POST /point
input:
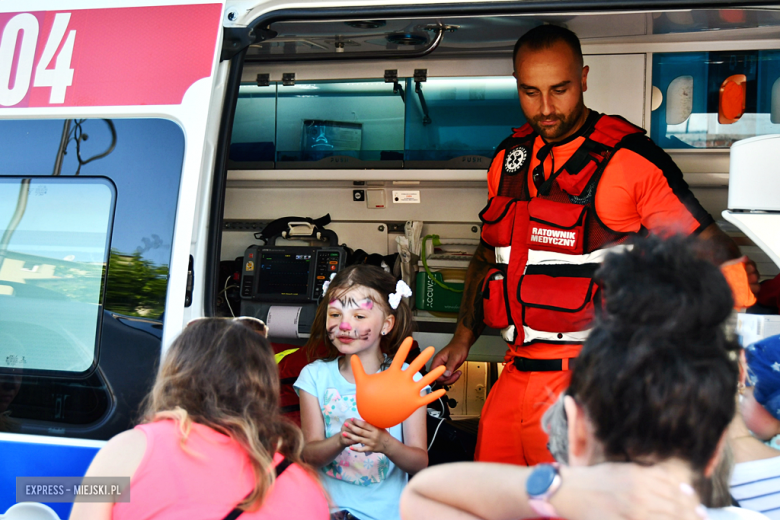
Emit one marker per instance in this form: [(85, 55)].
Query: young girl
[(365, 467)]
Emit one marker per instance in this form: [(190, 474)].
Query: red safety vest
[(549, 246)]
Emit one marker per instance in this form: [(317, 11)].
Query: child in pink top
[(211, 439)]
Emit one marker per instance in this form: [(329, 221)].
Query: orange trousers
[(510, 429)]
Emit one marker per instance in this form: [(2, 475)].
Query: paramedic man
[(641, 190)]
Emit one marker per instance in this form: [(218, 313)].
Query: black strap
[(279, 469), (540, 365)]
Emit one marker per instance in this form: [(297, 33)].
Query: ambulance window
[(53, 251), (85, 244)]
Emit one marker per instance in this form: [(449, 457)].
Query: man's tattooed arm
[(471, 312)]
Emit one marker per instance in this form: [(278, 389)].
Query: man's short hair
[(544, 37)]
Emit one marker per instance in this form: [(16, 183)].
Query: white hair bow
[(401, 290), (326, 283)]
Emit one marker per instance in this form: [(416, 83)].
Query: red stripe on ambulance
[(106, 57)]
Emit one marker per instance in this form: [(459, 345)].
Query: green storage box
[(430, 296)]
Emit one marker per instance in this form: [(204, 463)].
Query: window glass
[(53, 252), (339, 125), (131, 167), (253, 141), (727, 96), (466, 119)]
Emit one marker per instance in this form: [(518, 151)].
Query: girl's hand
[(372, 438), (344, 435)]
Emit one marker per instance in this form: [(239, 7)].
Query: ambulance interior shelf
[(282, 285)]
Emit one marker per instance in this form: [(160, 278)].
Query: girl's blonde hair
[(380, 282), (222, 374)]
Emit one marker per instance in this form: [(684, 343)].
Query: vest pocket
[(498, 219), (494, 301), (558, 298), (556, 226)]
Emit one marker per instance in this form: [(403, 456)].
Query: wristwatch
[(541, 485)]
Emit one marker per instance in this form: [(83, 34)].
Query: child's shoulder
[(320, 365)]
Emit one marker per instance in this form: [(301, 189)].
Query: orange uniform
[(636, 188)]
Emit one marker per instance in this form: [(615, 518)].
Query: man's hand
[(752, 272), (452, 357), (470, 324), (725, 250)]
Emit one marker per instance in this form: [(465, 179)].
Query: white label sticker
[(406, 197)]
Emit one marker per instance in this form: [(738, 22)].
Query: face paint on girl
[(354, 321)]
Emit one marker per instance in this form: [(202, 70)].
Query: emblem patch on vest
[(515, 159)]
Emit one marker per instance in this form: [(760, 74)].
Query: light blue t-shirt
[(368, 485)]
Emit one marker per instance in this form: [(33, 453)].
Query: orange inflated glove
[(391, 396), (736, 275)]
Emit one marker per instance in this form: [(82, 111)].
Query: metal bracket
[(420, 76), (391, 76), (263, 80), (288, 79), (236, 39)]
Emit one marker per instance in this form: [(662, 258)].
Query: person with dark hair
[(364, 468), (212, 443), (656, 378), (564, 189), (654, 385)]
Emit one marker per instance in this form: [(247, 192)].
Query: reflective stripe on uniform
[(503, 254), (536, 257), (554, 337)]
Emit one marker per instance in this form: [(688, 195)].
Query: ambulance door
[(104, 139)]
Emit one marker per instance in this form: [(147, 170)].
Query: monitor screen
[(284, 274)]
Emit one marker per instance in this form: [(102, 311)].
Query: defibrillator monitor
[(288, 274)]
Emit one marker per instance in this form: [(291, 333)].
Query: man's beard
[(564, 126)]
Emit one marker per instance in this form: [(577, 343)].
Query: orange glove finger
[(426, 399), (430, 377), (358, 370), (420, 360), (400, 356)]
